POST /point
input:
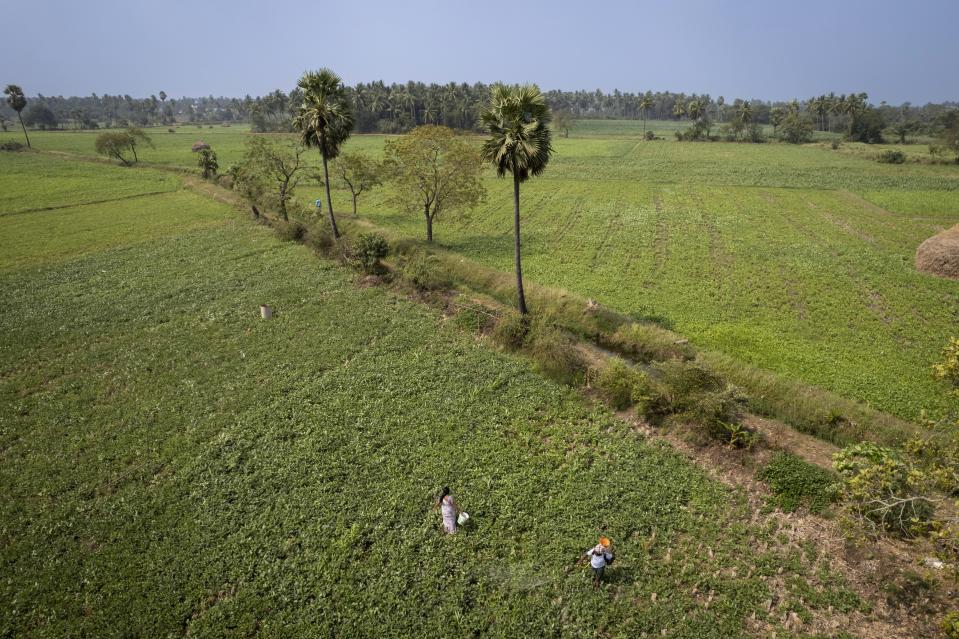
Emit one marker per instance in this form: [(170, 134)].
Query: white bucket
[(265, 311), (462, 519)]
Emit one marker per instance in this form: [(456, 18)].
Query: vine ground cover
[(174, 465)]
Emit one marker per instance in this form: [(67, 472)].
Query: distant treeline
[(382, 108)]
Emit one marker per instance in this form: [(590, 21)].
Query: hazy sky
[(894, 50)]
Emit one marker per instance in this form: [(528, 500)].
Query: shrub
[(554, 352), (950, 625), (289, 231), (511, 330), (649, 135), (621, 384), (881, 489), (471, 319), (369, 249), (320, 239), (835, 145), (891, 156), (11, 145), (698, 396), (795, 482), (424, 271)]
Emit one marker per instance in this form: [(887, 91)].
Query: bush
[(554, 352), (369, 249), (511, 330), (950, 625), (621, 384), (891, 156), (698, 396), (320, 239), (289, 231), (881, 489), (835, 145), (795, 482), (424, 271), (649, 135), (11, 145)]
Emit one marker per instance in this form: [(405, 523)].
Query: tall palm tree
[(17, 101), (679, 109), (517, 120), (694, 109), (645, 105), (325, 121)]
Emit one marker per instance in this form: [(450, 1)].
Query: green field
[(173, 465), (794, 259)]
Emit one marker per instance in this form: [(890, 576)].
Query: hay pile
[(939, 255)]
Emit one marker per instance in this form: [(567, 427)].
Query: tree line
[(393, 108)]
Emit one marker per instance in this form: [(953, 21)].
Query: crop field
[(174, 465), (794, 259)]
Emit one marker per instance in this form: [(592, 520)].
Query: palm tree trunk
[(520, 296), (329, 201), (24, 129)]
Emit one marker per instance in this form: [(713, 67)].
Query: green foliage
[(271, 171), (950, 625), (866, 126), (649, 135), (290, 231), (206, 160), (622, 385), (520, 141), (359, 172), (115, 145), (882, 490), (697, 396), (432, 171), (648, 343), (555, 352), (424, 271), (511, 330), (795, 482), (369, 249), (325, 118), (891, 156), (795, 128), (11, 145)]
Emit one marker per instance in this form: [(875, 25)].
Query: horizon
[(744, 49)]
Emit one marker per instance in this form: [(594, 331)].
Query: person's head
[(444, 492)]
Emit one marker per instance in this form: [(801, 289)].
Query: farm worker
[(599, 557), (449, 510)]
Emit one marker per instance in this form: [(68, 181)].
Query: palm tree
[(679, 109), (695, 109), (517, 119), (325, 121), (17, 102), (645, 104)]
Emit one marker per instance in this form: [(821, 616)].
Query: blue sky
[(894, 50)]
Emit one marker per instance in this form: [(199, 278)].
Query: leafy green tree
[(949, 138), (795, 128), (866, 124), (359, 172), (114, 144), (281, 166), (433, 170), (250, 184), (206, 160), (325, 121), (17, 101), (520, 143)]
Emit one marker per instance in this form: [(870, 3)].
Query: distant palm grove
[(395, 108)]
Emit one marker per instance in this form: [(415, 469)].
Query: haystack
[(939, 255)]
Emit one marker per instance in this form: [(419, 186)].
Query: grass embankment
[(796, 260), (174, 465)]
